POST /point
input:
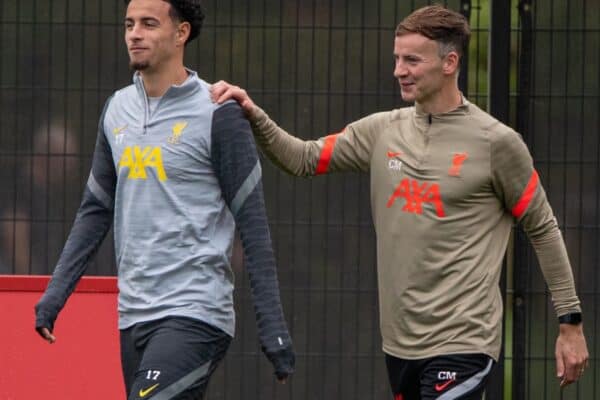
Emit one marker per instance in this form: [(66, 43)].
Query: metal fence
[(558, 113), (314, 66)]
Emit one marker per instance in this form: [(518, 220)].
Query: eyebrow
[(408, 56), (143, 19)]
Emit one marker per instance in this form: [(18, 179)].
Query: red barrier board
[(83, 363)]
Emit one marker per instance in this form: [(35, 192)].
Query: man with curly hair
[(177, 174), (447, 182)]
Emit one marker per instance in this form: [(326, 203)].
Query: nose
[(400, 69), (133, 33)]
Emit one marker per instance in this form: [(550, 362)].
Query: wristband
[(571, 318)]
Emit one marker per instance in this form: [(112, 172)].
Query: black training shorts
[(454, 376), (170, 358)]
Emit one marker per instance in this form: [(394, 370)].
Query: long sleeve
[(237, 167), (92, 223), (348, 150), (518, 185)]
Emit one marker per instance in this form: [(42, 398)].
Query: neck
[(443, 102), (158, 81)]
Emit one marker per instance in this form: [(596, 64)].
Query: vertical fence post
[(499, 60), (521, 271), (498, 104), (463, 77)]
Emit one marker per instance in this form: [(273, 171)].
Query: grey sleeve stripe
[(467, 385), (96, 189), (246, 189), (179, 386)]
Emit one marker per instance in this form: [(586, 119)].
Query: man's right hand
[(284, 362), (223, 91), (44, 320), (46, 334)]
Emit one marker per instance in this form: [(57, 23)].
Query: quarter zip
[(139, 85), (422, 127), (188, 87), (146, 112), (426, 139)]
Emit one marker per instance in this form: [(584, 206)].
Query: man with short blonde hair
[(447, 182)]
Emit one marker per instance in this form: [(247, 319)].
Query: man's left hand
[(571, 353)]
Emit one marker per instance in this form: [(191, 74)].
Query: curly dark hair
[(188, 11)]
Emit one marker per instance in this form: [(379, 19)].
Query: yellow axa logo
[(146, 392), (138, 159), (177, 131)]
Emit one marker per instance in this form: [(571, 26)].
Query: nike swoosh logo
[(441, 386), (392, 154), (119, 129), (146, 392)]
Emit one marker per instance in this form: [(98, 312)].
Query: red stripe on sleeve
[(326, 153), (527, 196)]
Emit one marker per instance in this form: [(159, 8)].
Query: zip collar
[(424, 119), (189, 86)]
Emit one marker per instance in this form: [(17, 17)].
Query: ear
[(183, 33), (451, 63)]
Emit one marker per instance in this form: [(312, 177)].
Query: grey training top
[(177, 182)]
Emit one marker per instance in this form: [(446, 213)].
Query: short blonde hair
[(450, 29)]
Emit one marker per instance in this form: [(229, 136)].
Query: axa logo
[(457, 163), (416, 193), (177, 131), (137, 160)]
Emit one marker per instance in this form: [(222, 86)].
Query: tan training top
[(444, 191)]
